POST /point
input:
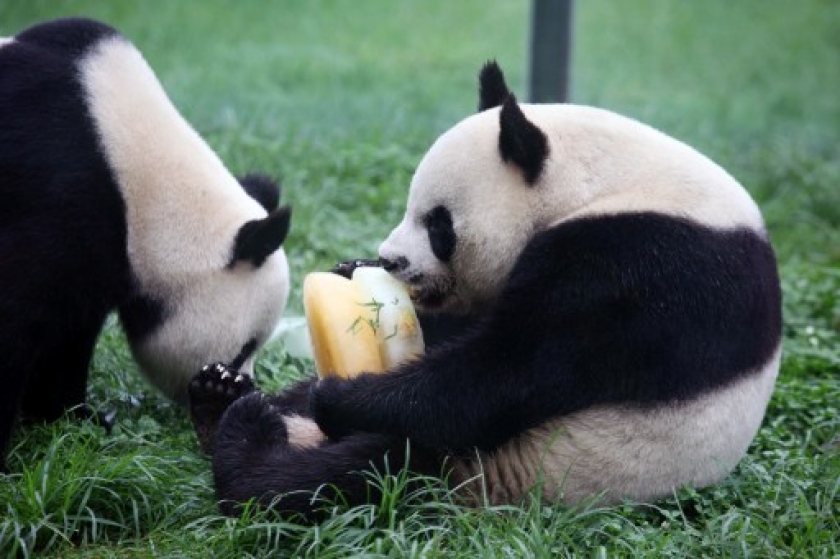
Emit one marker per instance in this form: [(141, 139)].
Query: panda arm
[(454, 399)]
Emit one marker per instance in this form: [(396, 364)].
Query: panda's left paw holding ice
[(347, 267), (211, 391)]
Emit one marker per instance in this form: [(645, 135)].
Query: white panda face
[(226, 316), (469, 215), (475, 202)]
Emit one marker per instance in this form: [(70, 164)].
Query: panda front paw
[(211, 391)]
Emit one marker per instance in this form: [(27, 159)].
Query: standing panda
[(110, 200), (626, 330)]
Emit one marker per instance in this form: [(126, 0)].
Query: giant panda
[(625, 330), (111, 201)]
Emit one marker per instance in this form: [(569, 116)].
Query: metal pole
[(551, 44)]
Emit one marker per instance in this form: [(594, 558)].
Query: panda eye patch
[(438, 223)]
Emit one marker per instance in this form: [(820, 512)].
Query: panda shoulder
[(68, 36)]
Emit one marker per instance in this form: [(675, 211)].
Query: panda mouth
[(429, 295)]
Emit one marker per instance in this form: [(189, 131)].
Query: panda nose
[(397, 265)]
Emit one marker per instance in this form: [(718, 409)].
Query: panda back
[(660, 338), (160, 161), (604, 163)]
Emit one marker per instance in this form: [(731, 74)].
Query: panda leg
[(47, 378), (215, 387), (14, 383), (260, 456), (58, 380)]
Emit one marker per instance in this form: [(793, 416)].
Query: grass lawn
[(341, 99)]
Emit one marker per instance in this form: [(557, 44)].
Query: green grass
[(341, 99)]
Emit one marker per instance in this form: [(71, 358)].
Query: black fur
[(394, 266), (521, 142), (62, 230), (637, 309), (263, 189), (444, 328), (492, 89), (259, 239), (247, 350), (68, 37), (141, 315), (442, 238)]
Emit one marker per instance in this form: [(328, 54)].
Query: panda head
[(224, 312), (473, 204)]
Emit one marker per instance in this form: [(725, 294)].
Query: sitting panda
[(111, 201), (625, 338)]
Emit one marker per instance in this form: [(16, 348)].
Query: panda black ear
[(521, 142), (258, 239), (492, 89), (263, 189)]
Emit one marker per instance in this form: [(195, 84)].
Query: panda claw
[(211, 391)]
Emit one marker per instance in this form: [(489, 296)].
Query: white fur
[(183, 211), (620, 452), (303, 432), (5, 41), (599, 163)]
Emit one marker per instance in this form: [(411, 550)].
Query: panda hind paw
[(211, 391), (255, 420)]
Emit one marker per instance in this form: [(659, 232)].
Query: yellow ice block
[(398, 329), (366, 324), (341, 340)]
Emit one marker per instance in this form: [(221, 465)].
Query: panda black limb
[(254, 458), (112, 202), (624, 339)]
